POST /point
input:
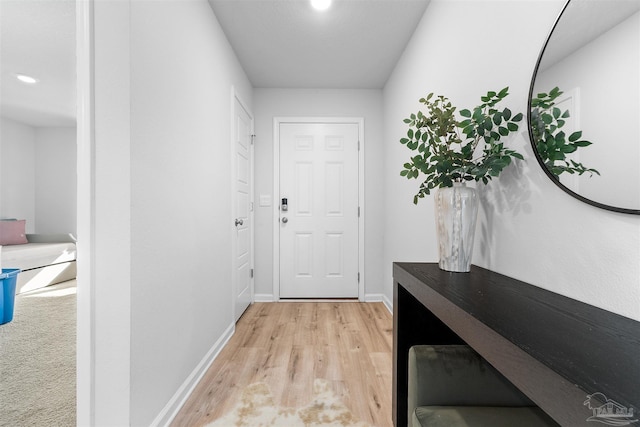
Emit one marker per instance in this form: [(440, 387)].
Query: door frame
[(235, 96), (277, 121)]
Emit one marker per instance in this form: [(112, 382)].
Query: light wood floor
[(289, 344)]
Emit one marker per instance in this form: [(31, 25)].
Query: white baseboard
[(379, 298), (169, 412), (387, 303), (263, 298), (367, 298), (373, 297)]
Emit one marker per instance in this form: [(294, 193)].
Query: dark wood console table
[(555, 349)]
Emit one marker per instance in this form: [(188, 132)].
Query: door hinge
[(251, 273), (253, 137), (358, 211), (250, 206), (358, 277)]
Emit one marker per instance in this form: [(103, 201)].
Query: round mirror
[(584, 103)]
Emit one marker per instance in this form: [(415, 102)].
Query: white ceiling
[(584, 21), (280, 43), (37, 38), (286, 43)]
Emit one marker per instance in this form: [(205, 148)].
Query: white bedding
[(35, 255)]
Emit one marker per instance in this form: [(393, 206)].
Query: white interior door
[(242, 181), (319, 228)]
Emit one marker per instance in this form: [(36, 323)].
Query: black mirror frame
[(551, 176)]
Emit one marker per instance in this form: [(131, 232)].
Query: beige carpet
[(37, 359), (256, 408)]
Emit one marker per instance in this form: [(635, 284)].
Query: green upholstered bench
[(452, 385)]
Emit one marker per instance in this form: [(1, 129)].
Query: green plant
[(552, 144), (446, 146)]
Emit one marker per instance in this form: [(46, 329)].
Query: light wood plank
[(287, 345)]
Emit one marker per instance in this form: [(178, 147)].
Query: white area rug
[(38, 359), (256, 408)]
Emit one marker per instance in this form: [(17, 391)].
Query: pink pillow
[(12, 232)]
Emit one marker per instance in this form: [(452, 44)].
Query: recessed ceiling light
[(321, 4), (26, 79)]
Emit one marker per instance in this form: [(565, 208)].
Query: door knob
[(285, 220), (239, 222)]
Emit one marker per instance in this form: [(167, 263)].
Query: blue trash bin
[(7, 293)]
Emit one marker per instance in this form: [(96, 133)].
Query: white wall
[(527, 228), (55, 180), (182, 73), (270, 103), (38, 176), (103, 386), (159, 220), (17, 172)]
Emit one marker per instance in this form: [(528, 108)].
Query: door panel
[(319, 240), (243, 130)]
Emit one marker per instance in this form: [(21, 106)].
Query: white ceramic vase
[(456, 211)]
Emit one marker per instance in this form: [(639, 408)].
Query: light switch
[(265, 200)]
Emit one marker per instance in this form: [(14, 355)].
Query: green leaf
[(517, 117), (469, 131), (582, 143), (504, 92), (556, 155), (512, 127), (503, 130), (575, 136), (555, 92), (465, 113)]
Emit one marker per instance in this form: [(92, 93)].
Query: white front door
[(319, 228), (242, 182)]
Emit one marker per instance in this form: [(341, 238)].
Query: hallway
[(289, 345)]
